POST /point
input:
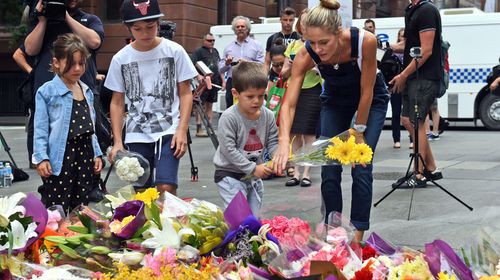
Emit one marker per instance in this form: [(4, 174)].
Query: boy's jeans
[(252, 189), (335, 121)]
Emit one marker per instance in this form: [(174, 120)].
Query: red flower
[(368, 252), (364, 273)]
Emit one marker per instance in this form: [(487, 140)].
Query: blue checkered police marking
[(469, 75)]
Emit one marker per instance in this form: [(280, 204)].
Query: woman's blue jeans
[(334, 120)]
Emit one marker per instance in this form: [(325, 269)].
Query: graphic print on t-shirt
[(253, 147), (149, 107)]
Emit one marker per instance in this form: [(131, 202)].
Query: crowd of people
[(332, 85)]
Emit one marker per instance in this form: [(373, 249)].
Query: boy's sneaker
[(413, 181), (432, 137)]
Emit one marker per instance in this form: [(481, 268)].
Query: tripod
[(7, 149), (415, 156)]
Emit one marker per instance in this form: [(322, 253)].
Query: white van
[(475, 49)]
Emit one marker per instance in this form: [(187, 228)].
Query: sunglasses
[(277, 64), (210, 40)]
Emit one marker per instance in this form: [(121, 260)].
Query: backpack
[(445, 66), (390, 65)]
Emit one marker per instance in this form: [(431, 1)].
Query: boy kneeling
[(245, 130)]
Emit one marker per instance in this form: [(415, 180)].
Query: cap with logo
[(135, 10)]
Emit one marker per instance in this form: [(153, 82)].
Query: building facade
[(193, 19)]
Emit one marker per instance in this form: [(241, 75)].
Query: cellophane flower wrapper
[(21, 270), (482, 253), (207, 221), (175, 207), (342, 149), (131, 167), (441, 258)]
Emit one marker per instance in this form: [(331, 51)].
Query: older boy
[(154, 74), (245, 130)]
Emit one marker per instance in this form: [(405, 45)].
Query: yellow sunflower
[(362, 153)]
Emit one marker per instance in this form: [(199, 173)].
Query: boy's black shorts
[(425, 92)]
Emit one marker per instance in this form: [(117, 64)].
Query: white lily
[(265, 244), (20, 236), (9, 205), (167, 237), (115, 201), (127, 257)]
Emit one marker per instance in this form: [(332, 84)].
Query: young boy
[(245, 130), (154, 74)]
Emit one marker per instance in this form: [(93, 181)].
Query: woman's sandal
[(292, 182), (290, 172), (306, 182)]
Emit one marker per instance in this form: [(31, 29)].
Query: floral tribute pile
[(145, 236)]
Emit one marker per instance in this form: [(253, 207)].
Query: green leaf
[(141, 230), (11, 241), (155, 215)]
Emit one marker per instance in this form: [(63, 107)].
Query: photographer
[(53, 19), (423, 36)]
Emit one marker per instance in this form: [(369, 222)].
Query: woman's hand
[(495, 83), (97, 165), (360, 139), (44, 169), (280, 158)]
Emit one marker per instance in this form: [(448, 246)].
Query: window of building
[(111, 10)]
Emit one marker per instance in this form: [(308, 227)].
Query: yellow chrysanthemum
[(148, 196), (361, 153), (446, 276)]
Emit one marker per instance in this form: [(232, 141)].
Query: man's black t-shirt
[(421, 17), (288, 39), (211, 58), (54, 29)]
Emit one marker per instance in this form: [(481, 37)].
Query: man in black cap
[(45, 30), (154, 74)]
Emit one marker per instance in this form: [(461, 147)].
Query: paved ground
[(470, 161)]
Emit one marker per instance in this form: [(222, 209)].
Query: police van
[(474, 51)]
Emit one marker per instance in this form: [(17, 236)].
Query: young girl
[(66, 150)]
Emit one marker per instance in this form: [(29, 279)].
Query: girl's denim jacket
[(54, 102)]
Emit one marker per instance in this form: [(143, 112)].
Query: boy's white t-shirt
[(149, 80)]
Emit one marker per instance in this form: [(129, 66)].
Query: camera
[(167, 29), (53, 10), (416, 52)]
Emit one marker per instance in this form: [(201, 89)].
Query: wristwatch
[(360, 128)]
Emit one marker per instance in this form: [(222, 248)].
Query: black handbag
[(19, 174)]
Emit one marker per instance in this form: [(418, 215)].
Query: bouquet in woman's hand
[(131, 167), (345, 148)]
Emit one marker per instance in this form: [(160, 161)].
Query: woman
[(396, 103), (347, 62), (303, 129)]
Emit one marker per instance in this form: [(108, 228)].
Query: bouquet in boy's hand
[(131, 167), (346, 148)]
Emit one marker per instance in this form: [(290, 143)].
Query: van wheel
[(489, 111)]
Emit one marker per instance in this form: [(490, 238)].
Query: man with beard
[(45, 30), (243, 48)]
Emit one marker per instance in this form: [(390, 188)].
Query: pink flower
[(289, 232), (54, 217), (166, 257)]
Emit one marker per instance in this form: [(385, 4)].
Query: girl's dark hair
[(278, 48), (64, 47)]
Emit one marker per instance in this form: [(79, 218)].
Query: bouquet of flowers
[(22, 219), (131, 167), (482, 255), (346, 148)]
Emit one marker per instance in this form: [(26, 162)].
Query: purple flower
[(135, 208)]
